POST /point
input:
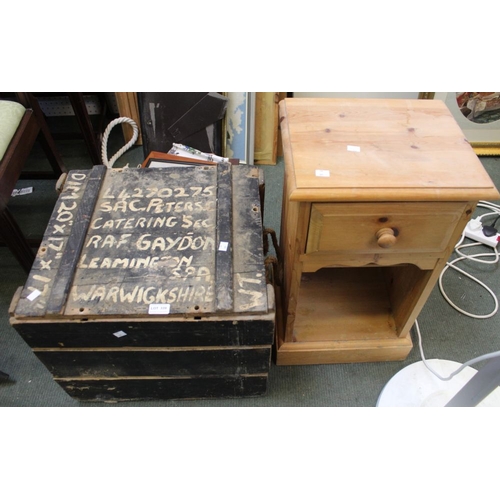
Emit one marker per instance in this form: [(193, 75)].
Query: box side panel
[(165, 388), (98, 363), (233, 332)]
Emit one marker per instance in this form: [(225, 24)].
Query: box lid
[(153, 242)]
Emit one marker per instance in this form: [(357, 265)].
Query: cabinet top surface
[(371, 149)]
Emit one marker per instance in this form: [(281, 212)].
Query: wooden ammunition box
[(150, 284)]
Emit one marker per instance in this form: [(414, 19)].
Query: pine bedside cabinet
[(376, 194)]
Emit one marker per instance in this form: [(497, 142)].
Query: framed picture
[(478, 114), (239, 127)]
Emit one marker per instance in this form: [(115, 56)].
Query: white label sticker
[(34, 294), (159, 309), (354, 149), (223, 246), (19, 192), (119, 334), (322, 173)]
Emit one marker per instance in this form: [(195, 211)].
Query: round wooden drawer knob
[(386, 237)]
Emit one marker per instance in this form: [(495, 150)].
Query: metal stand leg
[(485, 381)]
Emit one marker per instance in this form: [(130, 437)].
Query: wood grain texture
[(352, 228), (156, 362), (224, 244), (71, 255), (357, 172), (151, 241), (233, 330), (405, 150), (249, 276), (133, 389), (53, 246), (266, 128), (343, 304), (319, 353), (152, 236), (129, 107)]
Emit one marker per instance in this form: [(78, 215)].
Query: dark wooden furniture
[(90, 134), (31, 128), (150, 283), (90, 137)]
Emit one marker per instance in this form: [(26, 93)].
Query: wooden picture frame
[(483, 137), (127, 106)]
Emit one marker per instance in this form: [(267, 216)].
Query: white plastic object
[(416, 386), (475, 232)]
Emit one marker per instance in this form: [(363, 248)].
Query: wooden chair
[(90, 134), (21, 124)]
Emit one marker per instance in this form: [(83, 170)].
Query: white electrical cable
[(475, 258), (458, 247), (484, 357), (130, 143), (461, 271)]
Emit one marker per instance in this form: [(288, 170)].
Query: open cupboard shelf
[(344, 304)]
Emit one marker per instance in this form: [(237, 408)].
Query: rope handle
[(130, 143)]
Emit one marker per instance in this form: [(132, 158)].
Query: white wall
[(372, 95)]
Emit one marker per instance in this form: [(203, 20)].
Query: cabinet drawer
[(382, 227)]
